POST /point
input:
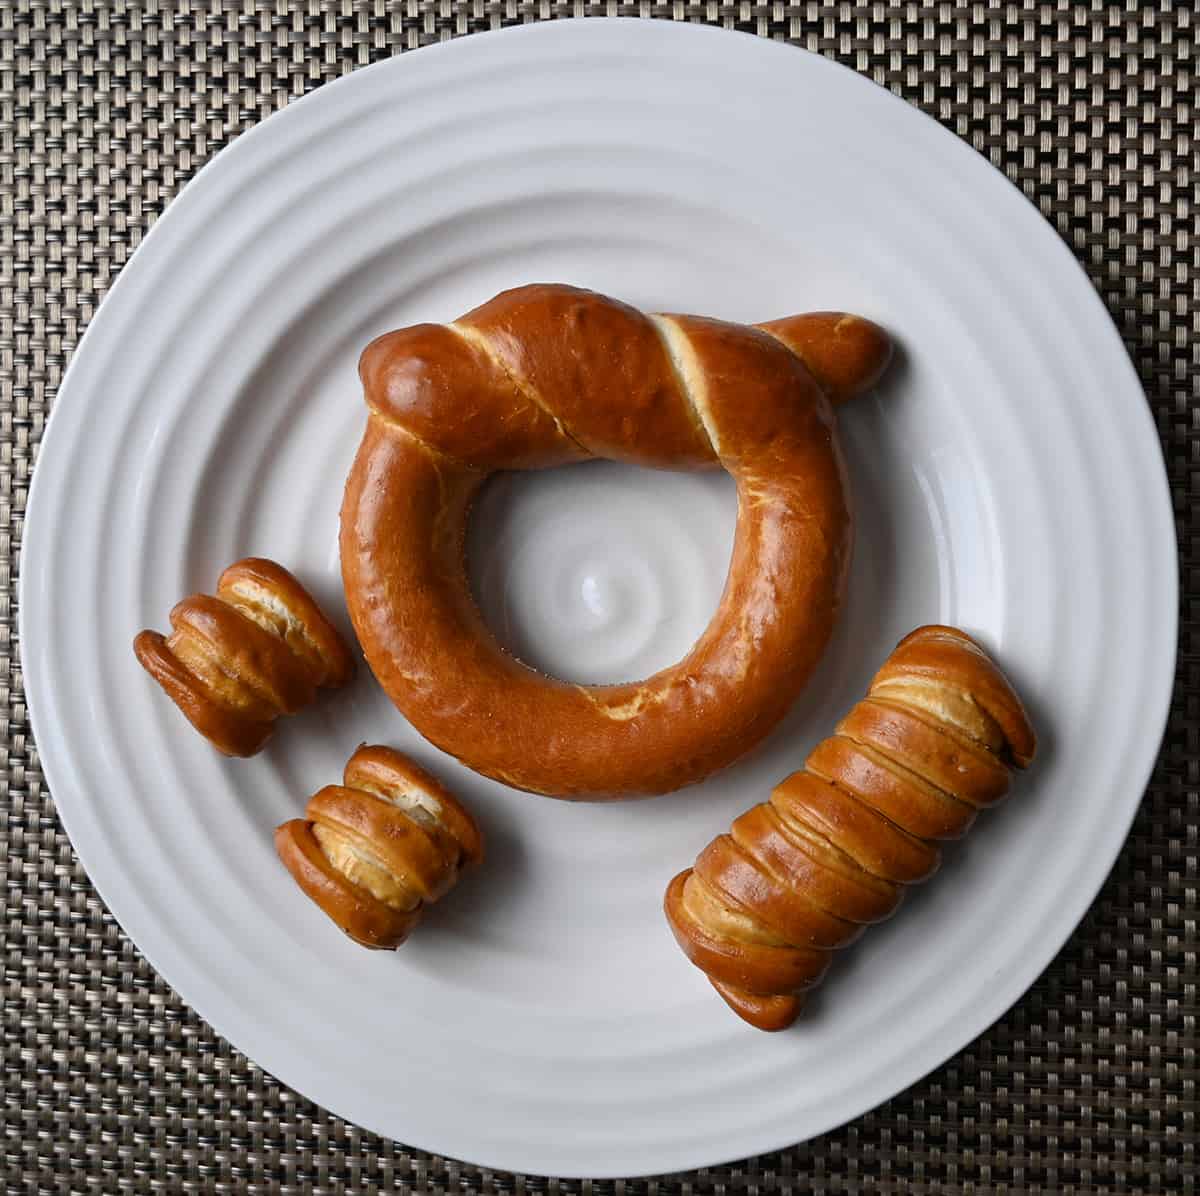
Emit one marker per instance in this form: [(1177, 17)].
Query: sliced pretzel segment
[(238, 660), (376, 850)]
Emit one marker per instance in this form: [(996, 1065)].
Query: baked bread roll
[(236, 661), (933, 743), (375, 850), (545, 375)]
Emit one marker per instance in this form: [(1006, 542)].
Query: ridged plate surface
[(1007, 479)]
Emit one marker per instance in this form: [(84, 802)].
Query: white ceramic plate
[(1007, 479)]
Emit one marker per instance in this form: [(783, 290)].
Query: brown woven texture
[(112, 1084)]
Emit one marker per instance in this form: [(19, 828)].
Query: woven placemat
[(112, 1084)]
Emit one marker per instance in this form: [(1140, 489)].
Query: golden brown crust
[(407, 375), (372, 853), (846, 354), (746, 883), (365, 919), (952, 659), (555, 374), (835, 844), (819, 869), (231, 731), (307, 631), (862, 831), (933, 753), (237, 661), (599, 366), (381, 769), (265, 678), (764, 969), (764, 1013), (900, 796)]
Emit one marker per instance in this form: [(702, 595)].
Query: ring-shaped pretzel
[(547, 375)]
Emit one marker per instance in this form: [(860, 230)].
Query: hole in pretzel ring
[(603, 572)]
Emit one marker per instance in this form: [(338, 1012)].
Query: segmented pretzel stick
[(933, 742), (237, 660), (375, 850)]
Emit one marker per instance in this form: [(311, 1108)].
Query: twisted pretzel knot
[(546, 375)]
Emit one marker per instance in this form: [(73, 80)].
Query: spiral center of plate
[(600, 573), (606, 598)]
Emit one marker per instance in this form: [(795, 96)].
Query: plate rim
[(1056, 246)]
